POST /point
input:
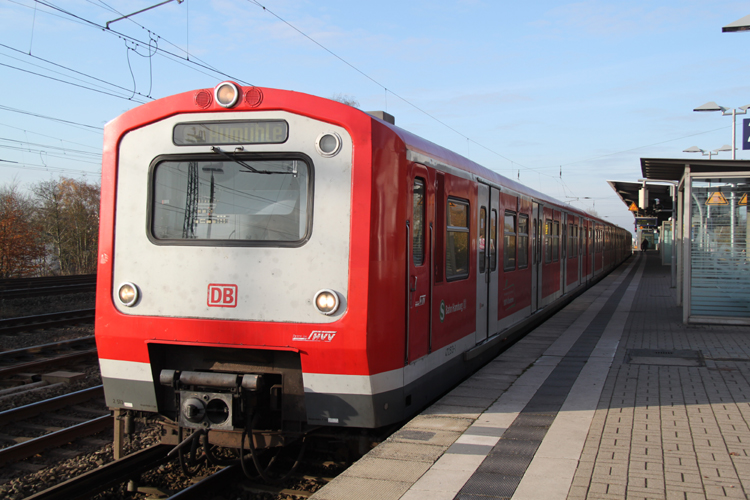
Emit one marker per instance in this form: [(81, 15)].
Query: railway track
[(112, 474), (41, 357), (12, 326), (131, 467), (53, 285), (25, 438)]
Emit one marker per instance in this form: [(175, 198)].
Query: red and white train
[(271, 262)]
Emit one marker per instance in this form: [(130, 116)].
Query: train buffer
[(613, 397)]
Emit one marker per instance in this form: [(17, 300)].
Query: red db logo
[(220, 295)]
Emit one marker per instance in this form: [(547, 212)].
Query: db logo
[(222, 295)]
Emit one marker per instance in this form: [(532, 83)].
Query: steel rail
[(17, 283), (32, 366), (39, 444), (208, 485), (9, 356), (21, 293), (74, 350), (90, 483), (48, 405), (40, 321)]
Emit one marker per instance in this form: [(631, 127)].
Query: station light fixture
[(712, 106)]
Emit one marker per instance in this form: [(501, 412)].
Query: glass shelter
[(701, 207), (719, 272)]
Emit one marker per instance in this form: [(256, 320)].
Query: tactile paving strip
[(500, 473)]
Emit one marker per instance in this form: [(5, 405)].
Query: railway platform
[(613, 397)]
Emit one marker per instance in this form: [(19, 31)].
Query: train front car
[(227, 273)]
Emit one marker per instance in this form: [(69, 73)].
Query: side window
[(417, 224), (573, 241), (523, 241), (493, 240), (509, 242), (440, 212), (457, 240), (547, 241), (482, 240), (555, 241)]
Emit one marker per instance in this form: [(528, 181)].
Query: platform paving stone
[(341, 488), (379, 468), (687, 424), (663, 428)]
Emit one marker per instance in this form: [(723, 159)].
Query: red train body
[(272, 261)]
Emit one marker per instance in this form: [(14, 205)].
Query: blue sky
[(528, 89)]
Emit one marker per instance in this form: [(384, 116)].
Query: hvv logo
[(316, 336), (220, 295)]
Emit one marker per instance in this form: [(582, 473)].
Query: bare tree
[(346, 99), (21, 249), (68, 213)]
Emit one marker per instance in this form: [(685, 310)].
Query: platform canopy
[(673, 169), (739, 25), (659, 198)]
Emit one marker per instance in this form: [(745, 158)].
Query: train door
[(581, 256), (536, 245), (487, 270), (592, 249), (420, 240), (564, 219)]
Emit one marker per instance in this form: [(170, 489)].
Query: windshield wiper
[(250, 168)]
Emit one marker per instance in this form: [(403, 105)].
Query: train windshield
[(250, 201)]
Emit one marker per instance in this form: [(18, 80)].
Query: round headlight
[(128, 294), (327, 302), (328, 144), (227, 94)]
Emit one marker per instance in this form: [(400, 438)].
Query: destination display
[(234, 132), (646, 222)]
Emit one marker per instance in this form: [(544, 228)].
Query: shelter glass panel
[(719, 248)]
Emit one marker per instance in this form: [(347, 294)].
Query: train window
[(555, 241), (493, 240), (523, 241), (417, 223), (439, 243), (581, 249), (254, 201), (482, 239), (547, 241), (572, 241), (457, 240), (509, 242)]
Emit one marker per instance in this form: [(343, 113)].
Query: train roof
[(321, 108), (432, 150)]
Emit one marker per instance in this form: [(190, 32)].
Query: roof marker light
[(227, 94)]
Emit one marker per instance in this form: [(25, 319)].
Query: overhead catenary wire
[(135, 40), (46, 168), (97, 149), (71, 83), (84, 126), (386, 89), (47, 61), (55, 148)]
